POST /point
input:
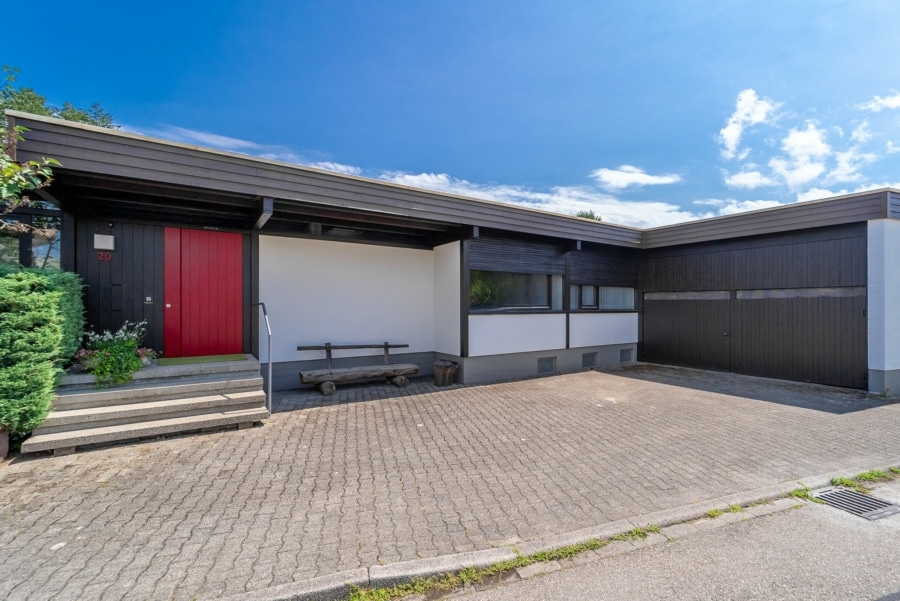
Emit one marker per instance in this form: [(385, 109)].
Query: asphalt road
[(815, 552)]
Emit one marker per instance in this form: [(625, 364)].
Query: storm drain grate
[(857, 503)]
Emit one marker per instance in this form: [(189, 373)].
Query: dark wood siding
[(602, 265), (517, 255), (823, 257), (855, 208), (821, 339), (116, 290), (99, 151), (894, 205), (692, 333)]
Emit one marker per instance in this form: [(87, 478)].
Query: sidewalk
[(379, 475)]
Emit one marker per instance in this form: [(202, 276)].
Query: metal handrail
[(268, 356)]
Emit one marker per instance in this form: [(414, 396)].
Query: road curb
[(337, 587)]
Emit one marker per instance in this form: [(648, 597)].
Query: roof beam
[(268, 208)]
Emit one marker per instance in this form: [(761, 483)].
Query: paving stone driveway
[(379, 475)]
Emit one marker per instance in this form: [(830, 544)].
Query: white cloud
[(806, 150), (193, 136), (891, 148), (848, 164), (629, 175), (566, 200), (749, 110), (730, 206), (336, 167), (861, 134), (748, 180), (820, 193), (878, 103), (264, 151)]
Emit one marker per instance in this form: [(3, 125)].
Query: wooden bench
[(325, 378)]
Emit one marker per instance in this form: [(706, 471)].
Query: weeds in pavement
[(804, 493), (470, 576), (734, 508), (872, 476), (846, 483), (714, 513)]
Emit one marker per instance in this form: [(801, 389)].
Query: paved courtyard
[(378, 475)]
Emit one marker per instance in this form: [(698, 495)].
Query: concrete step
[(138, 392), (69, 440), (114, 415), (157, 373)]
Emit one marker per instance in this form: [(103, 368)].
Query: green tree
[(589, 215), (29, 101), (18, 179)]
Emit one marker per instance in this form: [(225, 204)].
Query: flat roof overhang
[(92, 157)]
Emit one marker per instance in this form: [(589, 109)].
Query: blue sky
[(646, 112)]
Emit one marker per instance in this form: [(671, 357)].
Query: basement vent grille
[(857, 503)]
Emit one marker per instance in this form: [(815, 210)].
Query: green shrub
[(30, 343), (70, 305)]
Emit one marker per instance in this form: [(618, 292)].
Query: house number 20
[(104, 256)]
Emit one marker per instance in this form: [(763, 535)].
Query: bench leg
[(327, 388), (400, 381)]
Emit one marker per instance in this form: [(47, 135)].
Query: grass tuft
[(872, 476), (894, 470), (806, 494), (714, 513), (846, 483), (734, 508)]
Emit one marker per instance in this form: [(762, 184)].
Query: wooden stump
[(400, 381), (327, 388)]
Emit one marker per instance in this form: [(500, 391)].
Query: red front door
[(204, 309)]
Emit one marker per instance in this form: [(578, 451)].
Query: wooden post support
[(327, 388), (400, 381)]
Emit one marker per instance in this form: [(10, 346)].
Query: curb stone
[(337, 587)]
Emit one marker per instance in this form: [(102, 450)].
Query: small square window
[(589, 360), (625, 355), (546, 365)]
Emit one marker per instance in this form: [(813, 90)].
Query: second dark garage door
[(808, 334)]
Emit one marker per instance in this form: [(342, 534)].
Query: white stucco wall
[(446, 298), (500, 334), (884, 294), (318, 291), (596, 329)]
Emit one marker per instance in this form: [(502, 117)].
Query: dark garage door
[(805, 334)]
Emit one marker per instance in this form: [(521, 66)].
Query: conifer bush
[(41, 323)]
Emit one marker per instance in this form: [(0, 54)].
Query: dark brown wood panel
[(894, 205), (602, 265), (691, 333), (821, 339), (517, 255), (812, 258), (818, 340), (117, 289)]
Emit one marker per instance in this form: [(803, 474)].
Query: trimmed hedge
[(41, 326)]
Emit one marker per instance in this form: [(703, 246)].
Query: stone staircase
[(159, 400)]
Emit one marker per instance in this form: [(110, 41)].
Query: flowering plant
[(115, 356), (146, 354)]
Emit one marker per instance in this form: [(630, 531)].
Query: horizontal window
[(841, 292), (502, 291), (602, 298), (704, 295)]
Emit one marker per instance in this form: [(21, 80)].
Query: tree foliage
[(589, 215), (17, 179), (29, 101)]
